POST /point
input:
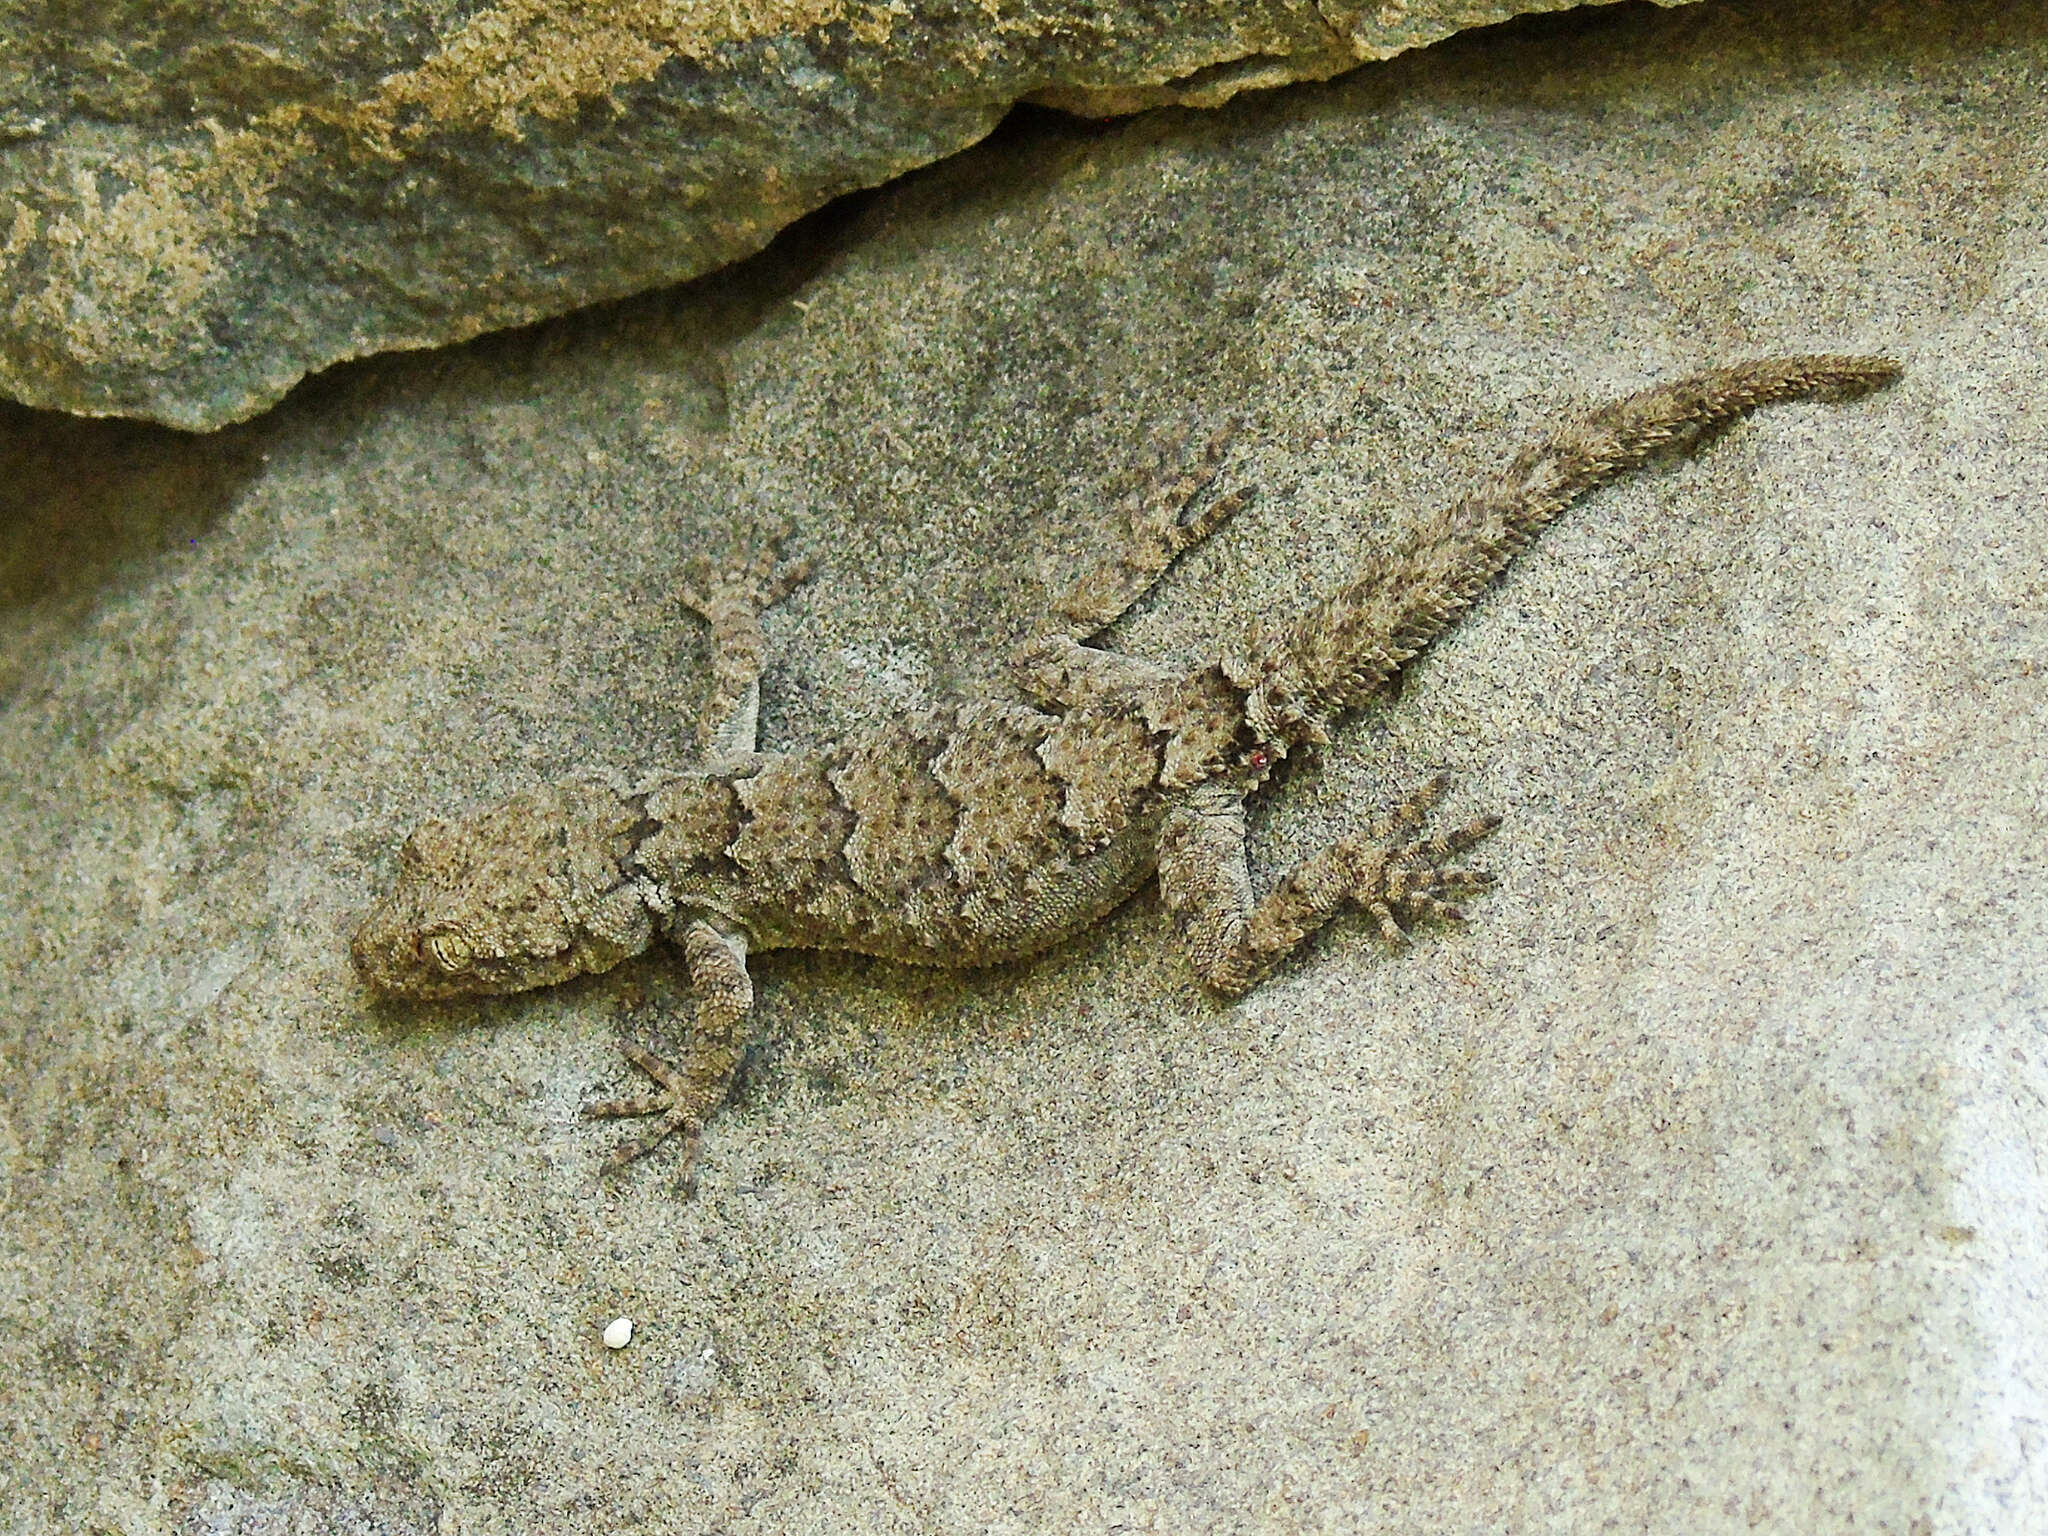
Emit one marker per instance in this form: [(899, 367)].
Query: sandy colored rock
[(1693, 1186), (199, 208)]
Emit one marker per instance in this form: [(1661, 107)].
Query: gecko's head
[(532, 891)]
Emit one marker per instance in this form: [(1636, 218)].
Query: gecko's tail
[(1346, 648)]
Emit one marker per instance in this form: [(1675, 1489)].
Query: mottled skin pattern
[(982, 830)]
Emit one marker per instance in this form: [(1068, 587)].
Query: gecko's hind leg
[(731, 600), (1161, 529), (1396, 876), (1054, 664), (690, 1092)]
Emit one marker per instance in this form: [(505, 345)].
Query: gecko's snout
[(381, 953), (402, 950)]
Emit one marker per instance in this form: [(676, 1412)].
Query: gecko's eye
[(450, 952)]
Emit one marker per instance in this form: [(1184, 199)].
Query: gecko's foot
[(673, 1104), (1161, 506), (744, 591), (1400, 880)]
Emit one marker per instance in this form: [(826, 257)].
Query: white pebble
[(618, 1333)]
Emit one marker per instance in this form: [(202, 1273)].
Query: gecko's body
[(982, 830)]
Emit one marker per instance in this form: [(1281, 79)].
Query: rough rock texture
[(199, 205), (1696, 1186)]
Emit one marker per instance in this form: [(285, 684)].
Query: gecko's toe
[(670, 1104), (1403, 878), (635, 1148)]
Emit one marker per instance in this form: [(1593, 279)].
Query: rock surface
[(200, 206), (1694, 1186)]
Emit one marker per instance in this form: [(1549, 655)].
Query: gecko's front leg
[(692, 1090), (732, 601)]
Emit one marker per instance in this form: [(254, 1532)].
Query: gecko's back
[(964, 834)]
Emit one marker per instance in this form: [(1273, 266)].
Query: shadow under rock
[(82, 502)]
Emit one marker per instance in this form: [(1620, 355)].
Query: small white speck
[(618, 1333)]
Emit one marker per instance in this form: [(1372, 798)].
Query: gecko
[(986, 828)]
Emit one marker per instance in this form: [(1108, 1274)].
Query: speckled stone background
[(1694, 1186)]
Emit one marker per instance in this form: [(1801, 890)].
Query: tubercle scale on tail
[(1343, 650)]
